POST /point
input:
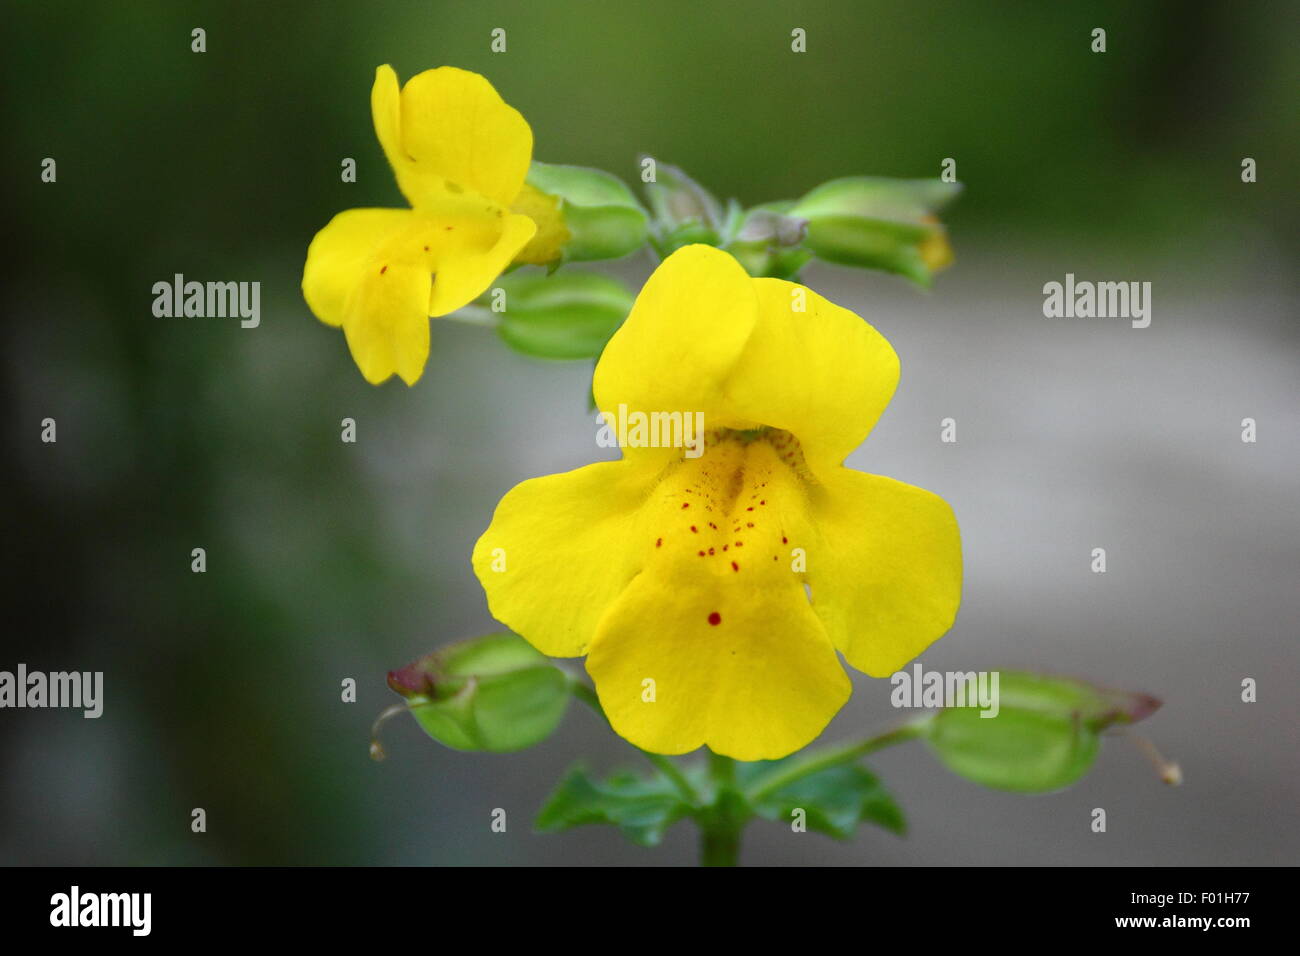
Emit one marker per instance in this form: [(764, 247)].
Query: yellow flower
[(710, 593), (460, 154)]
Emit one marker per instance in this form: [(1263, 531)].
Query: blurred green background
[(328, 560)]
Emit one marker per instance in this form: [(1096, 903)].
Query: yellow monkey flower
[(460, 154), (710, 591)]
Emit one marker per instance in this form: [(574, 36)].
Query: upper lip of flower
[(625, 560)]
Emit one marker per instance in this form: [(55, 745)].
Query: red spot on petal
[(659, 543), (694, 530), (735, 566), (715, 618), (686, 504), (383, 270), (784, 539)]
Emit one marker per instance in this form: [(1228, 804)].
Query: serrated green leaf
[(834, 801), (641, 807)]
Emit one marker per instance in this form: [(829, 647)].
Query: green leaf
[(602, 215), (642, 808), (1045, 736), (569, 315), (834, 800), (494, 693)]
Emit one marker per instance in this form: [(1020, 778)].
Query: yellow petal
[(714, 642), (448, 130), (681, 339), (886, 569), (639, 562), (822, 373), (704, 336), (936, 253), (386, 325), (552, 234), (559, 551), (468, 259), (341, 252)]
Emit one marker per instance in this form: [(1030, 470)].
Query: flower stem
[(719, 846), (723, 821), (835, 756), (662, 763)]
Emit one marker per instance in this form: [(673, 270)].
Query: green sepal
[(601, 213), (495, 693), (870, 244), (685, 212), (876, 222), (1045, 736), (877, 197), (569, 315)]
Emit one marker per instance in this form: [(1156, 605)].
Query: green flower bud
[(1045, 735), (768, 242), (494, 693), (581, 214), (879, 223), (567, 315), (684, 211)]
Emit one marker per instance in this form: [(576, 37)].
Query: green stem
[(664, 765), (723, 821), (722, 771), (835, 756), (719, 846)]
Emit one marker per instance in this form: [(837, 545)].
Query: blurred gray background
[(328, 560)]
